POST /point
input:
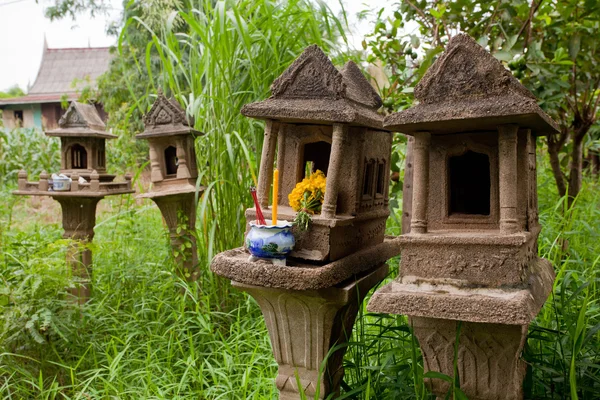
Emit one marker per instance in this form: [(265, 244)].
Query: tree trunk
[(553, 151), (575, 174)]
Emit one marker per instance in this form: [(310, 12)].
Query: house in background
[(63, 72)]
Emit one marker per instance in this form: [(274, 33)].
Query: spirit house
[(171, 137), (83, 155), (319, 118), (471, 253), (83, 142)]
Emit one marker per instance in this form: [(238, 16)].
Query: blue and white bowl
[(270, 242)]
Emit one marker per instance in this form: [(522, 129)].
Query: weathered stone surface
[(313, 90), (489, 363), (305, 324), (477, 258), (79, 219), (468, 89), (167, 118), (320, 115), (298, 275), (81, 120), (471, 255), (458, 300), (179, 211)]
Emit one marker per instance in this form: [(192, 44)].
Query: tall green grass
[(139, 337), (220, 56)]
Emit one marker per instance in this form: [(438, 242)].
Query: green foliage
[(27, 149), (551, 46), (227, 54), (14, 91)]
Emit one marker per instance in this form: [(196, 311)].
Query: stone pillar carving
[(183, 171), (79, 218), (507, 157), (489, 364), (418, 222), (179, 211), (304, 325), (156, 173), (22, 179), (265, 175), (43, 185), (407, 189), (334, 172)]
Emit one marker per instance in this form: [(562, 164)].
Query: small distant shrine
[(471, 253), (83, 155), (173, 173), (319, 118), (327, 119)]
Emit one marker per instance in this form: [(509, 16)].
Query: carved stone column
[(156, 173), (507, 158), (179, 211), (334, 172), (265, 176), (304, 325), (418, 222), (488, 357), (183, 171), (79, 218)]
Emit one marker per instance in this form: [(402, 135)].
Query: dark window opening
[(381, 175), (469, 184), (368, 178), (19, 118), (78, 157), (171, 161), (316, 157)]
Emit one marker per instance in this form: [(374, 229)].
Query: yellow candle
[(275, 195)]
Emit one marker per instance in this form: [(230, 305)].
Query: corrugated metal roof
[(60, 68)]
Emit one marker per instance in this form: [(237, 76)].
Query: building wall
[(32, 115)]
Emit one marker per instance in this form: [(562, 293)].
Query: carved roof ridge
[(81, 115), (175, 112), (467, 70), (166, 118), (325, 80), (358, 87)]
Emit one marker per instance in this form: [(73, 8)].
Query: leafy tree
[(551, 46), (14, 91)]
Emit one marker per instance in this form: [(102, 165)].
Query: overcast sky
[(23, 26)]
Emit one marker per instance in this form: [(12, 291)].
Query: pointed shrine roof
[(81, 120), (313, 90), (166, 118), (467, 89)]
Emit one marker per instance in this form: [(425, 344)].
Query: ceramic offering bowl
[(270, 242)]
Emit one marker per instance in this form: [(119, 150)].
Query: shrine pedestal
[(492, 334), (178, 208), (308, 309), (79, 219)]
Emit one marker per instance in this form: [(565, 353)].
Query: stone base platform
[(304, 327), (455, 300), (299, 274)]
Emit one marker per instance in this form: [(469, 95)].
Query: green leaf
[(437, 375)]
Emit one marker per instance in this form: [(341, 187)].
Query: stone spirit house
[(329, 118), (173, 174), (471, 254)]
